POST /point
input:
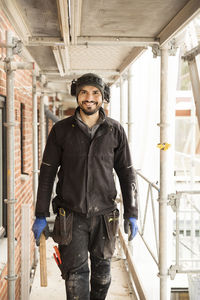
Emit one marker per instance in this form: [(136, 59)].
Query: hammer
[(43, 261)]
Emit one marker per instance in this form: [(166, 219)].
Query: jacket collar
[(105, 125)]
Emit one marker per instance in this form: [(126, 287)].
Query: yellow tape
[(62, 211), (163, 146)]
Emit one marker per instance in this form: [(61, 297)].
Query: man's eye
[(83, 92), (96, 92)]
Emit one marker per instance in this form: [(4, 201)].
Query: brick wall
[(23, 188)]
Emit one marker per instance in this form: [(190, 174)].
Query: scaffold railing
[(174, 200), (183, 205), (152, 188)]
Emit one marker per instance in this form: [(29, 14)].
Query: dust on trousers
[(77, 237)]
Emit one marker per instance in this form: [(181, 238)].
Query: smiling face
[(90, 99)]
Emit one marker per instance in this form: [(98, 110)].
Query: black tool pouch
[(62, 231), (112, 225)]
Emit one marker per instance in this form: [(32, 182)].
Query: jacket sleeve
[(127, 176), (48, 170)]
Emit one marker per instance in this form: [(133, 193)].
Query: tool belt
[(62, 231)]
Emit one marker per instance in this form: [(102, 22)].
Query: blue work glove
[(40, 225), (132, 224)]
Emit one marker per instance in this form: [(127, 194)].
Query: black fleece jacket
[(85, 169)]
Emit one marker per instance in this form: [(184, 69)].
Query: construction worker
[(85, 149)]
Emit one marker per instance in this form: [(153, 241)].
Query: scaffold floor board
[(121, 288)]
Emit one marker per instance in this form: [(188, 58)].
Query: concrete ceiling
[(69, 38)]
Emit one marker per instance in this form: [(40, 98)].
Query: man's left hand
[(40, 226), (132, 224)]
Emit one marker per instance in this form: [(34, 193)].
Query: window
[(197, 233), (3, 172), (188, 232)]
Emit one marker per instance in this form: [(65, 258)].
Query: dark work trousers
[(96, 236)]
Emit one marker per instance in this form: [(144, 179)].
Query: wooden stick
[(43, 261)]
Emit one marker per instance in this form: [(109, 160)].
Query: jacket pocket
[(112, 223), (62, 231)]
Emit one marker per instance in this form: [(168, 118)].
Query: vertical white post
[(35, 138), (25, 252), (130, 107), (35, 148), (164, 176), (122, 103), (42, 125), (54, 105), (194, 76), (10, 171)]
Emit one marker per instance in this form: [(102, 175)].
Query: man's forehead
[(89, 87)]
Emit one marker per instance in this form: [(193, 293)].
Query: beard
[(90, 110)]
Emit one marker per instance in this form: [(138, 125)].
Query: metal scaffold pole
[(130, 107), (122, 103), (35, 138), (42, 124), (164, 177), (35, 148), (11, 277)]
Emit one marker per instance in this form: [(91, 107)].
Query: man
[(86, 147)]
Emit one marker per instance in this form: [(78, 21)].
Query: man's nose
[(90, 97)]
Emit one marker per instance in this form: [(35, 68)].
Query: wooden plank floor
[(120, 288)]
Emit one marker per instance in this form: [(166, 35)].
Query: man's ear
[(107, 93), (73, 88)]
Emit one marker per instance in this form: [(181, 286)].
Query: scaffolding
[(164, 198)]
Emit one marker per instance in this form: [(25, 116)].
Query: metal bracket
[(125, 76), (156, 50), (17, 46), (34, 89), (9, 124), (11, 278), (173, 270), (172, 47), (162, 276), (190, 55), (163, 124), (11, 201), (174, 201)]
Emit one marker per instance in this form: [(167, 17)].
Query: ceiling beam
[(58, 59), (63, 17), (76, 73), (107, 40), (105, 72), (44, 41), (185, 15), (13, 13), (135, 53), (61, 54), (75, 17), (64, 52), (190, 55)]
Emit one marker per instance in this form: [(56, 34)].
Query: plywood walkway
[(120, 288)]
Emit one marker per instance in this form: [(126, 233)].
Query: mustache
[(92, 101)]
